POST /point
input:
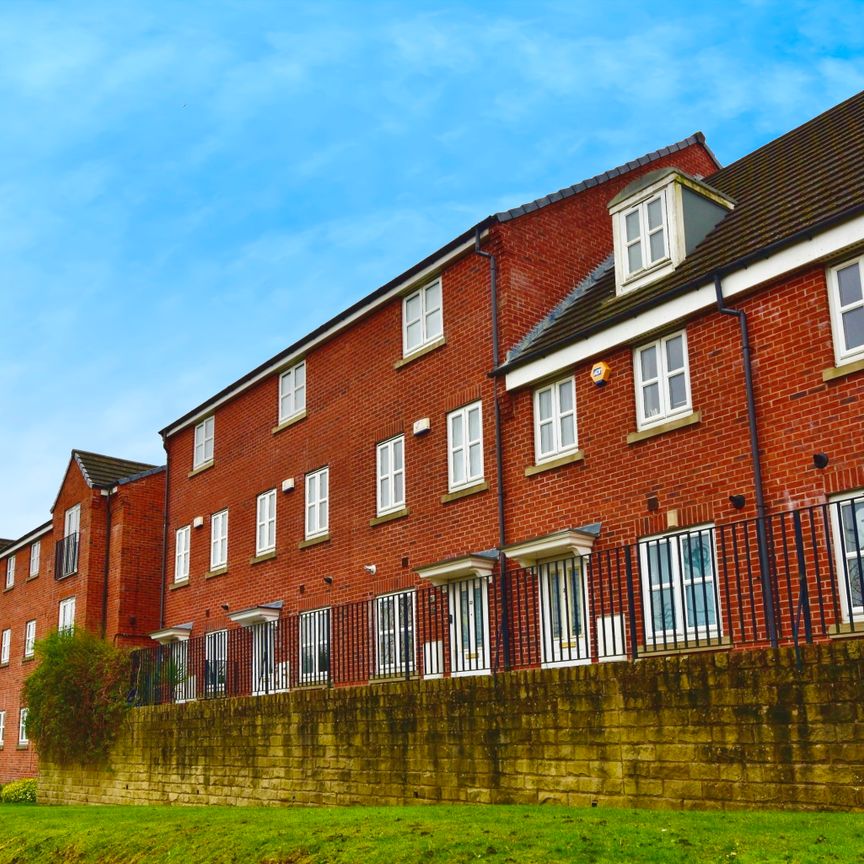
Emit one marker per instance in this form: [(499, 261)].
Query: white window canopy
[(659, 219), (570, 542), (180, 633), (474, 566), (262, 614)]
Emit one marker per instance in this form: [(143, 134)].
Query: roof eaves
[(158, 469), (14, 545)]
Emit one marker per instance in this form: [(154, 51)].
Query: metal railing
[(66, 556), (701, 588)]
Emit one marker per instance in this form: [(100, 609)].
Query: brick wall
[(707, 730)]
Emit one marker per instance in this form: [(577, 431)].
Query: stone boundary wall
[(703, 730)]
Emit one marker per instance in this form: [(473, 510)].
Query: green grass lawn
[(510, 835)]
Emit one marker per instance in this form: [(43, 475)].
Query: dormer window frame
[(663, 191)]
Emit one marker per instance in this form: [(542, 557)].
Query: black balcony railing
[(704, 588), (66, 557)]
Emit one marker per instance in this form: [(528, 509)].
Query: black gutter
[(499, 448), (164, 537), (697, 282), (755, 458), (106, 492)]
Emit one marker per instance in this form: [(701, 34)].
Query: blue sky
[(186, 188)]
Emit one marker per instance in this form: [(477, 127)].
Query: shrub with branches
[(19, 791), (76, 697)]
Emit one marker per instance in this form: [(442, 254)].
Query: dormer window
[(657, 221), (646, 234)]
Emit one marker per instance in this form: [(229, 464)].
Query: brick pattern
[(712, 730)]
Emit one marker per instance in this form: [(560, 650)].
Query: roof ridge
[(597, 179), (551, 317)]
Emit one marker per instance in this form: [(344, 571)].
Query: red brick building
[(621, 418), (95, 564)]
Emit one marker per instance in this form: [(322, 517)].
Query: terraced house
[(620, 419), (95, 563)]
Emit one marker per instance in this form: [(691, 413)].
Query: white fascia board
[(306, 347), (792, 258), (26, 540)]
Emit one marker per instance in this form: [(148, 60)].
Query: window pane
[(657, 245), (853, 573), (433, 324), (456, 431), (631, 220), (414, 335), (397, 454), (648, 362), (853, 534), (544, 404), (458, 469), (565, 396), (412, 308), (853, 327), (433, 295), (849, 283), (474, 424), (655, 214), (475, 459), (651, 400), (546, 440), (675, 354), (634, 257), (677, 391), (384, 460), (398, 492), (568, 431)]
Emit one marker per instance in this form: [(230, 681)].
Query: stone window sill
[(32, 578), (269, 555), (4, 665), (482, 486), (8, 588), (183, 583), (569, 459), (420, 352), (401, 513), (22, 746), (285, 424), (314, 541), (201, 468), (663, 428), (28, 658), (218, 571), (841, 371)]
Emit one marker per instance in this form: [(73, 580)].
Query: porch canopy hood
[(570, 542)]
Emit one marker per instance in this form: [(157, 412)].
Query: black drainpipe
[(499, 456), (755, 457), (164, 537), (107, 566)]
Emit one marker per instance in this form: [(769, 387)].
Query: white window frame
[(265, 523), (268, 674), (2, 727), (468, 600), (390, 657), (459, 452), (205, 436), (66, 615), (10, 571), (219, 540), (664, 376), (35, 558), (215, 662), (68, 564), (565, 616), (30, 638), (292, 392), (5, 646), (849, 608), (683, 632), (428, 309), (555, 421), (182, 549), (314, 636), (22, 726), (388, 477), (645, 235), (842, 353), (317, 513)]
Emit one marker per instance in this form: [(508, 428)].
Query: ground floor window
[(679, 587), (315, 646), (469, 626), (269, 673), (22, 727), (847, 517), (215, 662), (394, 634), (180, 675), (563, 596)]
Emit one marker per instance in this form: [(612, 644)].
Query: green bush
[(76, 697), (19, 792)]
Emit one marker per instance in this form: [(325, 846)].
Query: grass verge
[(427, 835)]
